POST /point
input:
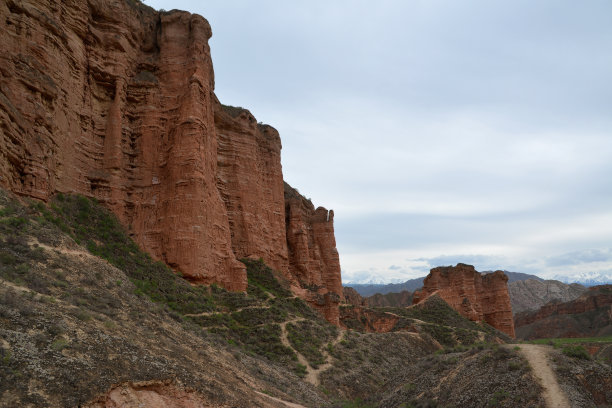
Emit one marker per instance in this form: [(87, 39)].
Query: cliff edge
[(114, 100)]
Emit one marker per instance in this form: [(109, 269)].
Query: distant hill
[(391, 299), (518, 276), (532, 294), (587, 316), (369, 289)]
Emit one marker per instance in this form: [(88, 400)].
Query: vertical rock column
[(314, 264), (190, 216), (250, 180)]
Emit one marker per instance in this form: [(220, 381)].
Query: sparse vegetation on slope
[(250, 321), (75, 325)]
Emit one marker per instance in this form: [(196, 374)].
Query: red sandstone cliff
[(476, 296), (113, 100), (250, 180), (313, 258)]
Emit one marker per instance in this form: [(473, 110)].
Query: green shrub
[(576, 352), (59, 344), (498, 397)]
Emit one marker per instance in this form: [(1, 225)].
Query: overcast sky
[(471, 131)]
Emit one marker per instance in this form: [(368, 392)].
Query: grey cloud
[(581, 257)]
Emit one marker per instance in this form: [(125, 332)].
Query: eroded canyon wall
[(114, 100), (479, 297), (313, 258), (250, 180), (590, 315)]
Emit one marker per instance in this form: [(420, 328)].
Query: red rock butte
[(479, 297), (114, 100)]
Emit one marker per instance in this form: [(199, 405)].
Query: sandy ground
[(537, 355)]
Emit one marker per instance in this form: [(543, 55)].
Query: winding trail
[(537, 356), (287, 404), (312, 374)]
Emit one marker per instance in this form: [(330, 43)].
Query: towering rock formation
[(113, 100), (476, 296), (313, 257), (250, 180)]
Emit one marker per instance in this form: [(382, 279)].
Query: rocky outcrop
[(313, 258), (152, 394), (475, 296), (589, 315), (370, 320), (113, 100), (532, 294), (351, 297)]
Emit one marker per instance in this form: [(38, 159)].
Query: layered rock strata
[(532, 294), (313, 258), (113, 100), (590, 315), (250, 181), (475, 296)]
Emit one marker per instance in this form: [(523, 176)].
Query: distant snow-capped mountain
[(586, 278)]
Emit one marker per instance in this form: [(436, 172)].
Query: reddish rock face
[(352, 297), (313, 258), (250, 180), (476, 296), (113, 100), (369, 320), (588, 316)]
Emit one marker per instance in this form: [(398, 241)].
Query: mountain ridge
[(368, 289)]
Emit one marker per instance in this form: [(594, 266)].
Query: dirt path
[(219, 312), (537, 355), (312, 374), (285, 340), (287, 404)]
